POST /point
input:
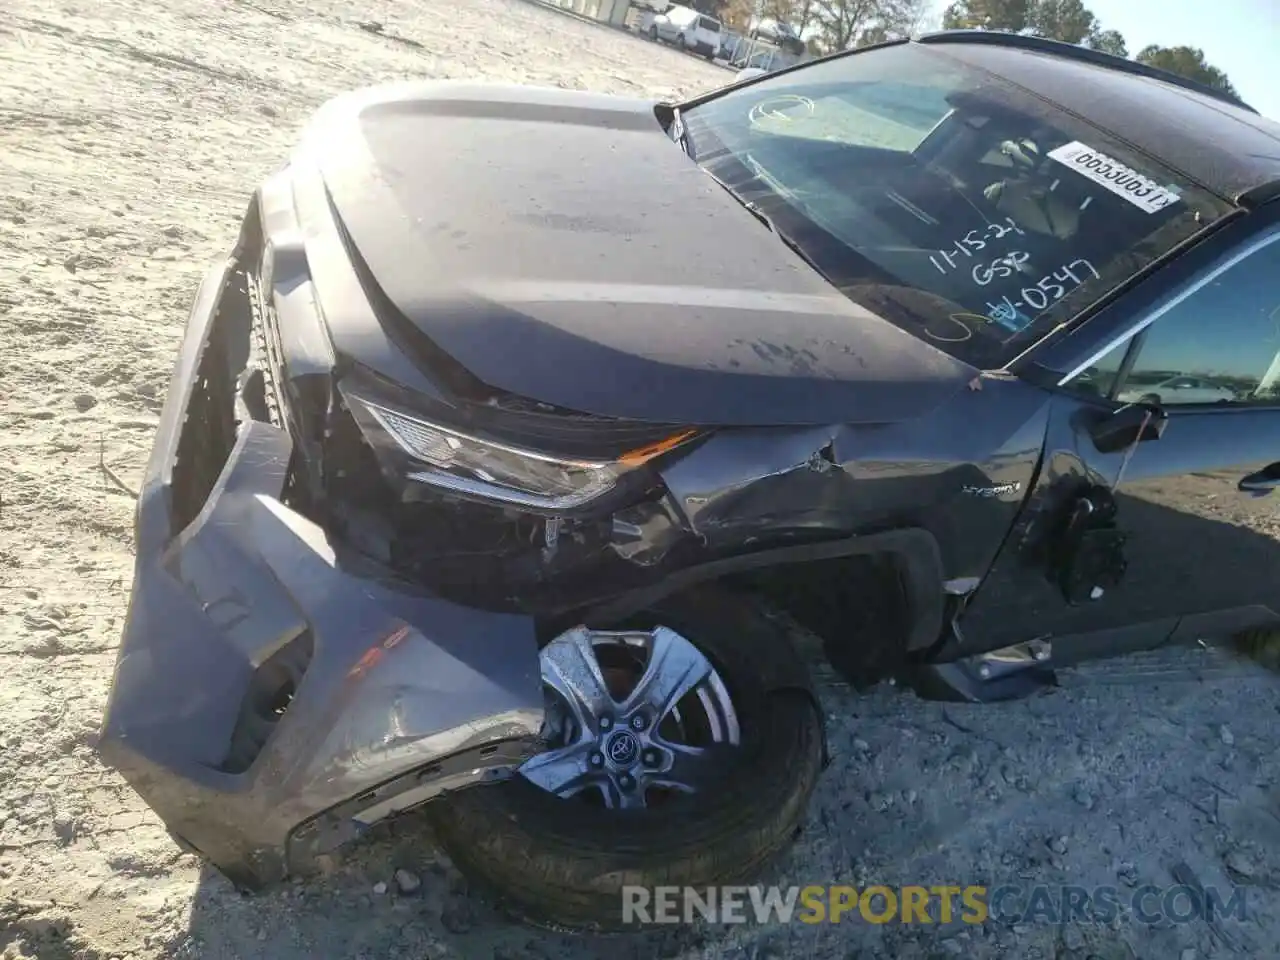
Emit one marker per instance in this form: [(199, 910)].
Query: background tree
[(1108, 41), (842, 24), (915, 17), (1187, 62), (1067, 20), (801, 14), (1007, 15), (1072, 22), (736, 13), (798, 14), (876, 33)]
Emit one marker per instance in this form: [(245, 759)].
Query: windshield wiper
[(753, 208), (795, 247), (678, 131)]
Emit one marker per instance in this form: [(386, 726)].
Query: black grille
[(209, 432)]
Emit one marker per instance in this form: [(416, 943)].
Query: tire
[(653, 33), (682, 43), (562, 862)]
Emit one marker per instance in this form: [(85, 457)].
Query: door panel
[(1197, 545), (1199, 550), (1211, 548)]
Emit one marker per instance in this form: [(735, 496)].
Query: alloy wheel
[(633, 717)]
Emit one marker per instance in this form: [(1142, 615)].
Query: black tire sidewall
[(552, 859)]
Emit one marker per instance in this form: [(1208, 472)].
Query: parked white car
[(1178, 390), (687, 29)]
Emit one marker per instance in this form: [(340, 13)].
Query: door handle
[(1263, 482)]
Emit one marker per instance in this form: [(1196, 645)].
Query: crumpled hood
[(559, 246)]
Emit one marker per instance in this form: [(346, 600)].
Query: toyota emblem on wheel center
[(623, 748)]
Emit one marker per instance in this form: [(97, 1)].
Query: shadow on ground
[(393, 896), (1072, 787)]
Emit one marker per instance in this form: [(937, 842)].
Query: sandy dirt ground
[(131, 134)]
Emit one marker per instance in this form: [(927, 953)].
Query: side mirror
[(746, 73), (1134, 423)]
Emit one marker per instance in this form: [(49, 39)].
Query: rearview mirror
[(1134, 423)]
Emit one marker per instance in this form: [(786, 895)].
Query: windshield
[(953, 203)]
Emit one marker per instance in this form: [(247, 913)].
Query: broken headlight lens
[(443, 457)]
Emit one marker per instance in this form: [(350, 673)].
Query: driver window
[(1221, 345)]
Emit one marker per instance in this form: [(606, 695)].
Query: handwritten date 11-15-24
[(973, 242)]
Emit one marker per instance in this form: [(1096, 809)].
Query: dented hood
[(559, 246)]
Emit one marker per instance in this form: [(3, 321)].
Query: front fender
[(914, 551)]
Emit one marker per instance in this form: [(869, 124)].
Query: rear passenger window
[(1219, 346)]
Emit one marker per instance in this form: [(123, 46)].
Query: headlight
[(443, 457)]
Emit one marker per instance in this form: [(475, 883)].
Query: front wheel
[(653, 34), (682, 43), (671, 760)]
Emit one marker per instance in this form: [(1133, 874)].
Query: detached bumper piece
[(270, 701)]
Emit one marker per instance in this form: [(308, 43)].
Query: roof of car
[(1210, 137)]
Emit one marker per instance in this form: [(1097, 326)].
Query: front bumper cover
[(396, 696)]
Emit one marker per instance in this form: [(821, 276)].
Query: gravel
[(131, 134)]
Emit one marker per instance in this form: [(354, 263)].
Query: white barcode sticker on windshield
[(1121, 180)]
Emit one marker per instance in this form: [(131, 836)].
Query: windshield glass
[(954, 204)]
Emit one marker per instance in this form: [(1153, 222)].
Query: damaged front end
[(350, 550), (275, 691), (497, 504), (341, 582)]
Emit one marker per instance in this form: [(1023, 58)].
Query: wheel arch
[(911, 553)]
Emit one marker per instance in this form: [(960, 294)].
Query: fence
[(609, 12), (742, 52), (636, 15)]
